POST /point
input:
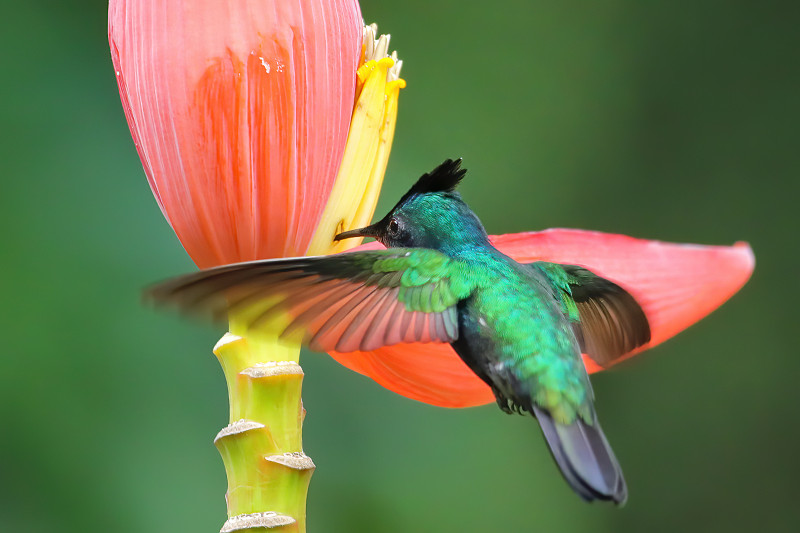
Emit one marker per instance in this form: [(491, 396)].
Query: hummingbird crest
[(443, 179)]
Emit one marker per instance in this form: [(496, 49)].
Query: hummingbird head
[(430, 215)]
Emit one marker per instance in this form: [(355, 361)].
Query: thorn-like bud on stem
[(256, 520)]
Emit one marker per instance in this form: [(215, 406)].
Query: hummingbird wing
[(608, 321), (345, 302)]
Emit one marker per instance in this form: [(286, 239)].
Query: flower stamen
[(355, 192)]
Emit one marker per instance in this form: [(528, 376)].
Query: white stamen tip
[(378, 48), (394, 72)]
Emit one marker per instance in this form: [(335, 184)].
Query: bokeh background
[(669, 120)]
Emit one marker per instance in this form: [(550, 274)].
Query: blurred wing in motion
[(610, 322), (346, 302)]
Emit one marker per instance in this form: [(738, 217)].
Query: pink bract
[(240, 111)]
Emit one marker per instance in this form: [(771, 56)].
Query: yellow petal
[(355, 192)]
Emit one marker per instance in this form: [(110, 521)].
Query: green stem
[(262, 448)]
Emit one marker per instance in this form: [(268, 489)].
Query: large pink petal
[(676, 284), (240, 111)]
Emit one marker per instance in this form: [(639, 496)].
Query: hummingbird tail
[(585, 458)]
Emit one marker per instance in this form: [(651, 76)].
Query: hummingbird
[(521, 328)]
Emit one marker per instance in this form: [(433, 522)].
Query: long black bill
[(369, 231)]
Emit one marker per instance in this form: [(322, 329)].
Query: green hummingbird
[(520, 327)]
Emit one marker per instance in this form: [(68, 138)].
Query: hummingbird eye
[(393, 225)]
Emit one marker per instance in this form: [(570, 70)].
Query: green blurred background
[(669, 120)]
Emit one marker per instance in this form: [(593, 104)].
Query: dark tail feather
[(585, 458)]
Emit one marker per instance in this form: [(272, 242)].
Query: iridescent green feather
[(530, 311), (425, 284), (561, 280)]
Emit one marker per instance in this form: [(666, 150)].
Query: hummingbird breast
[(515, 337)]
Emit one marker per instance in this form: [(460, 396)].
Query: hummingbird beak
[(369, 231)]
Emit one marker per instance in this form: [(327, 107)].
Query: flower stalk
[(268, 473)]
